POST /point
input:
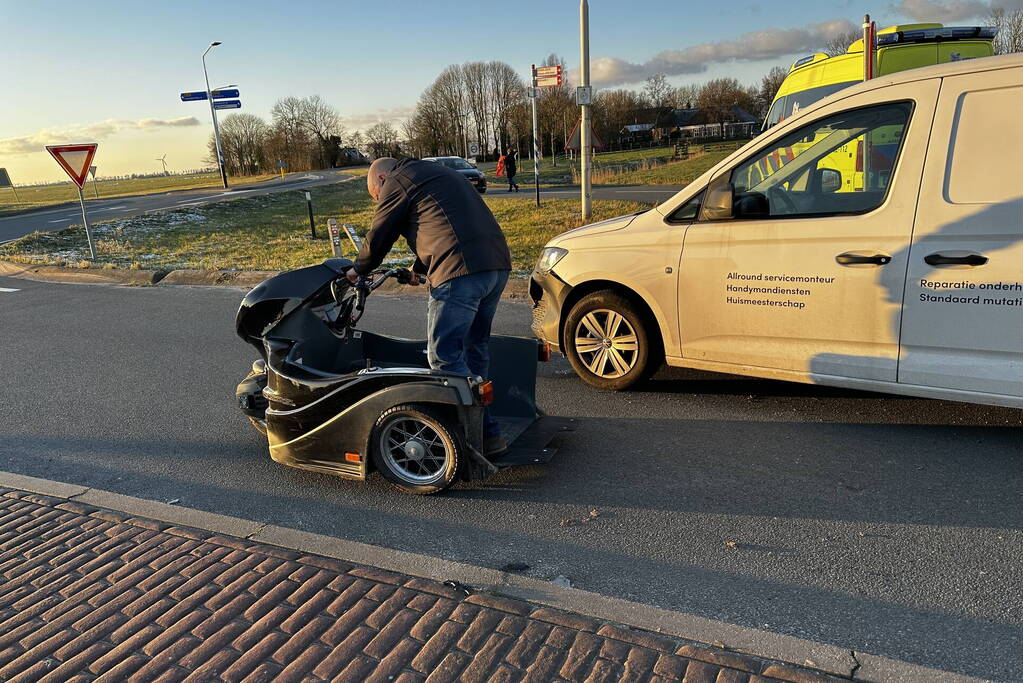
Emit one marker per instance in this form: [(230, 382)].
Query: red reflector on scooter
[(486, 391), (544, 352), (353, 457)]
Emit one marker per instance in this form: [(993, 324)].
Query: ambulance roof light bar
[(930, 35)]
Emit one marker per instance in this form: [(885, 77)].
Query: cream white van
[(912, 284)]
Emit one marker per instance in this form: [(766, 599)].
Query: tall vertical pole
[(868, 73), (536, 134), (585, 144), (213, 113), (85, 221)]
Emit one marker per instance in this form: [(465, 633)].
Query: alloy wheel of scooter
[(415, 449)]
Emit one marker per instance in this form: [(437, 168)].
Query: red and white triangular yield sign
[(74, 159)]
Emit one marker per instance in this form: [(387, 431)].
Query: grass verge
[(271, 232)]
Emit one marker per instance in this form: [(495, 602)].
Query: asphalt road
[(58, 218), (881, 524)]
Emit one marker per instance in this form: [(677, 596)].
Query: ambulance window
[(987, 134), (798, 101), (841, 164), (774, 117)]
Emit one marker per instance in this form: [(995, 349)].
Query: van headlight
[(549, 258)]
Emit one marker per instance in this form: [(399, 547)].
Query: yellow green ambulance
[(865, 164)]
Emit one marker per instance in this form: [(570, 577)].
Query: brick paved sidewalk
[(92, 594)]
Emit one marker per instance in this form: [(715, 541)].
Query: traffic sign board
[(574, 142), (92, 172), (225, 94), (584, 95), (547, 76), (5, 178), (74, 159), (474, 148), (193, 96), (228, 104)]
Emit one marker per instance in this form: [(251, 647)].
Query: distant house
[(349, 156), (666, 126), (698, 123), (636, 133)]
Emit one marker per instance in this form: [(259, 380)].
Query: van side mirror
[(829, 180), (719, 203)]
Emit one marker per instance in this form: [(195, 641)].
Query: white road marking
[(112, 208), (7, 290), (61, 220)]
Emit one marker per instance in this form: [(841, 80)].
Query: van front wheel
[(608, 342)]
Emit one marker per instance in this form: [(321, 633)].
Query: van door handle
[(939, 259), (853, 259)]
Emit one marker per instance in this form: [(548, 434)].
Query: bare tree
[(556, 110), (383, 140), (769, 86), (839, 43), (615, 109), (1010, 30), (657, 90), (243, 139), (322, 123), (718, 96), (684, 96)]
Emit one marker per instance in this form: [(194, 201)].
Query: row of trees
[(304, 133), (486, 103)]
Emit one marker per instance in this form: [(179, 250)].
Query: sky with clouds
[(111, 71)]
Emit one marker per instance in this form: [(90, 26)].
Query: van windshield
[(793, 103)]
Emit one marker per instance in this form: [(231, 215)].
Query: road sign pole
[(213, 113), (85, 221), (585, 143), (536, 135), (309, 204)]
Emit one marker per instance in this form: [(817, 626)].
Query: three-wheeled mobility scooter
[(335, 399)]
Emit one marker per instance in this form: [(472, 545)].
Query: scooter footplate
[(532, 447)]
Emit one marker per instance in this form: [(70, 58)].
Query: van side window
[(688, 212), (987, 130), (837, 165)]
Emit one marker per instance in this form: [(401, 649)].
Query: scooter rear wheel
[(416, 449)]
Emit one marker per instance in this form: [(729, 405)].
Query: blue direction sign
[(193, 96), (225, 94), (228, 104)]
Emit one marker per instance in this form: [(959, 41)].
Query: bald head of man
[(378, 172)]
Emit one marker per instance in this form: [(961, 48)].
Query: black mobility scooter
[(332, 398)]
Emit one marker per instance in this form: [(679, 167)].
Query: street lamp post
[(585, 143), (213, 113)]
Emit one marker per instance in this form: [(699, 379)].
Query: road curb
[(824, 657), (83, 276)]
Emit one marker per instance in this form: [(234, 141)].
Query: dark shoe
[(494, 445)]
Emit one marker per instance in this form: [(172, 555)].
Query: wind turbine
[(163, 160)]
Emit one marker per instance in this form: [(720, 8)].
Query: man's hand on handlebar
[(352, 276)]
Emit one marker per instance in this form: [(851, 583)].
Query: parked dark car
[(471, 173)]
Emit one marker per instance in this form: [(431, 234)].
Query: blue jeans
[(459, 316)]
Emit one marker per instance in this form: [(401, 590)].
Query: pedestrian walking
[(460, 250), (510, 168)]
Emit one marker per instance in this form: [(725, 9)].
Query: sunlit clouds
[(28, 144)]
